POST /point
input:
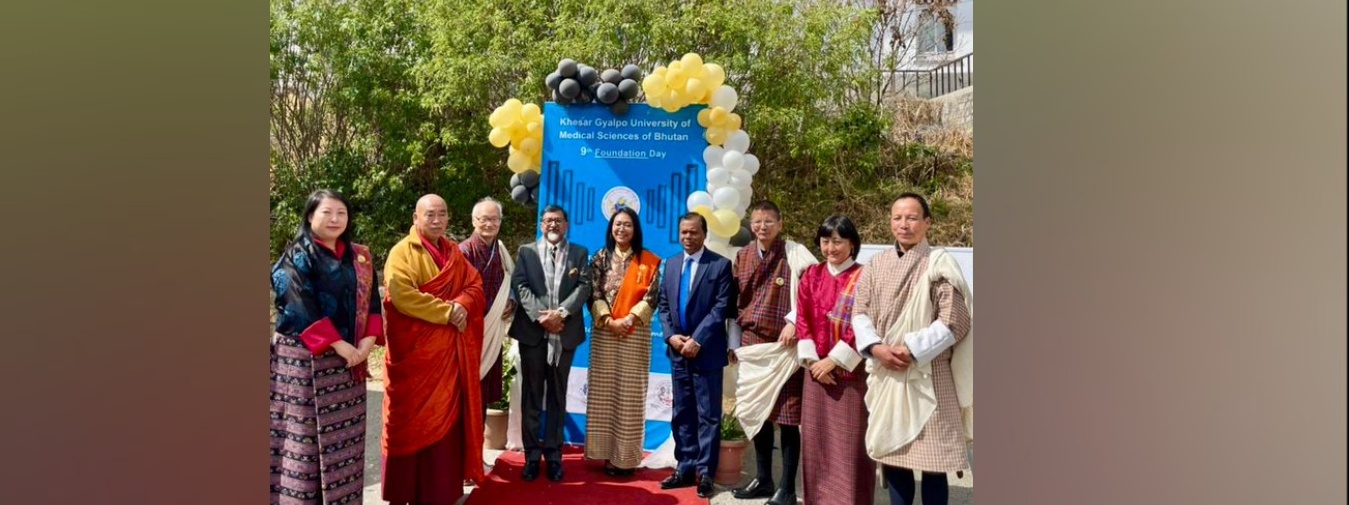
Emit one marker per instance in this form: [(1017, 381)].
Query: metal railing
[(951, 76)]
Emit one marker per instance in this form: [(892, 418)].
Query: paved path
[(962, 490)]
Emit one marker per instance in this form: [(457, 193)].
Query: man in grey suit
[(551, 283)]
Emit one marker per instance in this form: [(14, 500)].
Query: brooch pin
[(779, 281), (360, 258), (572, 273)]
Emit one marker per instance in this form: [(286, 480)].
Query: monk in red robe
[(433, 399)]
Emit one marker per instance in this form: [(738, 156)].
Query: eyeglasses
[(487, 219), (554, 220)]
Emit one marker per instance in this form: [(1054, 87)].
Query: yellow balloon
[(534, 129), (694, 87), (512, 108), (660, 70), (530, 112), (530, 146), (654, 101), (498, 118), (654, 85), (707, 214), (498, 137), (517, 162), (518, 135), (727, 223), (675, 68), (671, 108), (715, 75), (691, 60)]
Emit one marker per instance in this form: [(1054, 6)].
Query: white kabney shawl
[(494, 329), (902, 402), (764, 369)]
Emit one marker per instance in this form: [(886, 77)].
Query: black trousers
[(544, 385)]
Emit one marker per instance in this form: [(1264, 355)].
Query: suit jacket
[(531, 293), (711, 304)]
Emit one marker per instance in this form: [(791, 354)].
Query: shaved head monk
[(433, 399)]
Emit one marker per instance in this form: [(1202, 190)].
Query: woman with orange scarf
[(624, 299)]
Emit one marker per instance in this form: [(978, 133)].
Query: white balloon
[(739, 179), (712, 156), (726, 198), (737, 141), (751, 164), (733, 160), (745, 194), (699, 198), (724, 97), (718, 175)]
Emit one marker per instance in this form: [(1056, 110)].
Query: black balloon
[(628, 89), (553, 80), (742, 238), (520, 195), (619, 108), (534, 194), (569, 88), (567, 67), (559, 99), (611, 76), (607, 93), (515, 180), (529, 179), (584, 96), (632, 72), (588, 76)]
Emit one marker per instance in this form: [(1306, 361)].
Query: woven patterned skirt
[(836, 468), (616, 396), (317, 427)]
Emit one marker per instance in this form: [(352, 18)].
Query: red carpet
[(583, 483)]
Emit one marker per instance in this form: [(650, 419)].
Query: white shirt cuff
[(805, 352), (927, 343), (791, 317), (864, 333), (845, 356), (733, 334)]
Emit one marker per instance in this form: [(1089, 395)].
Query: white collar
[(696, 256), (840, 269)]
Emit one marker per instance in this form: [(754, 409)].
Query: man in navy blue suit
[(697, 297)]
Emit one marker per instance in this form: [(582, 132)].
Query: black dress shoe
[(614, 471), (705, 487), (555, 471), (531, 471), (756, 488), (783, 497), (676, 481)]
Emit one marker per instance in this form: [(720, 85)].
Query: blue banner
[(593, 162)]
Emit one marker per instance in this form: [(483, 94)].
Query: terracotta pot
[(494, 429), (731, 461)]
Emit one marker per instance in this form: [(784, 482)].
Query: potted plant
[(733, 444), (498, 412)]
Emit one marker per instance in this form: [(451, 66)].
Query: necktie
[(684, 293)]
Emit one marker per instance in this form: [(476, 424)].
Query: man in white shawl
[(913, 321), (768, 272), (493, 262)]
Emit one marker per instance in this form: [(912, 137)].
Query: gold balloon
[(717, 116), (715, 136), (732, 122), (703, 118)]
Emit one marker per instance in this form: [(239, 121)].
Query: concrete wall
[(957, 108)]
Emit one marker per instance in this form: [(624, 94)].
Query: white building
[(936, 47)]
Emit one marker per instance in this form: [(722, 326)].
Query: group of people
[(868, 361)]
